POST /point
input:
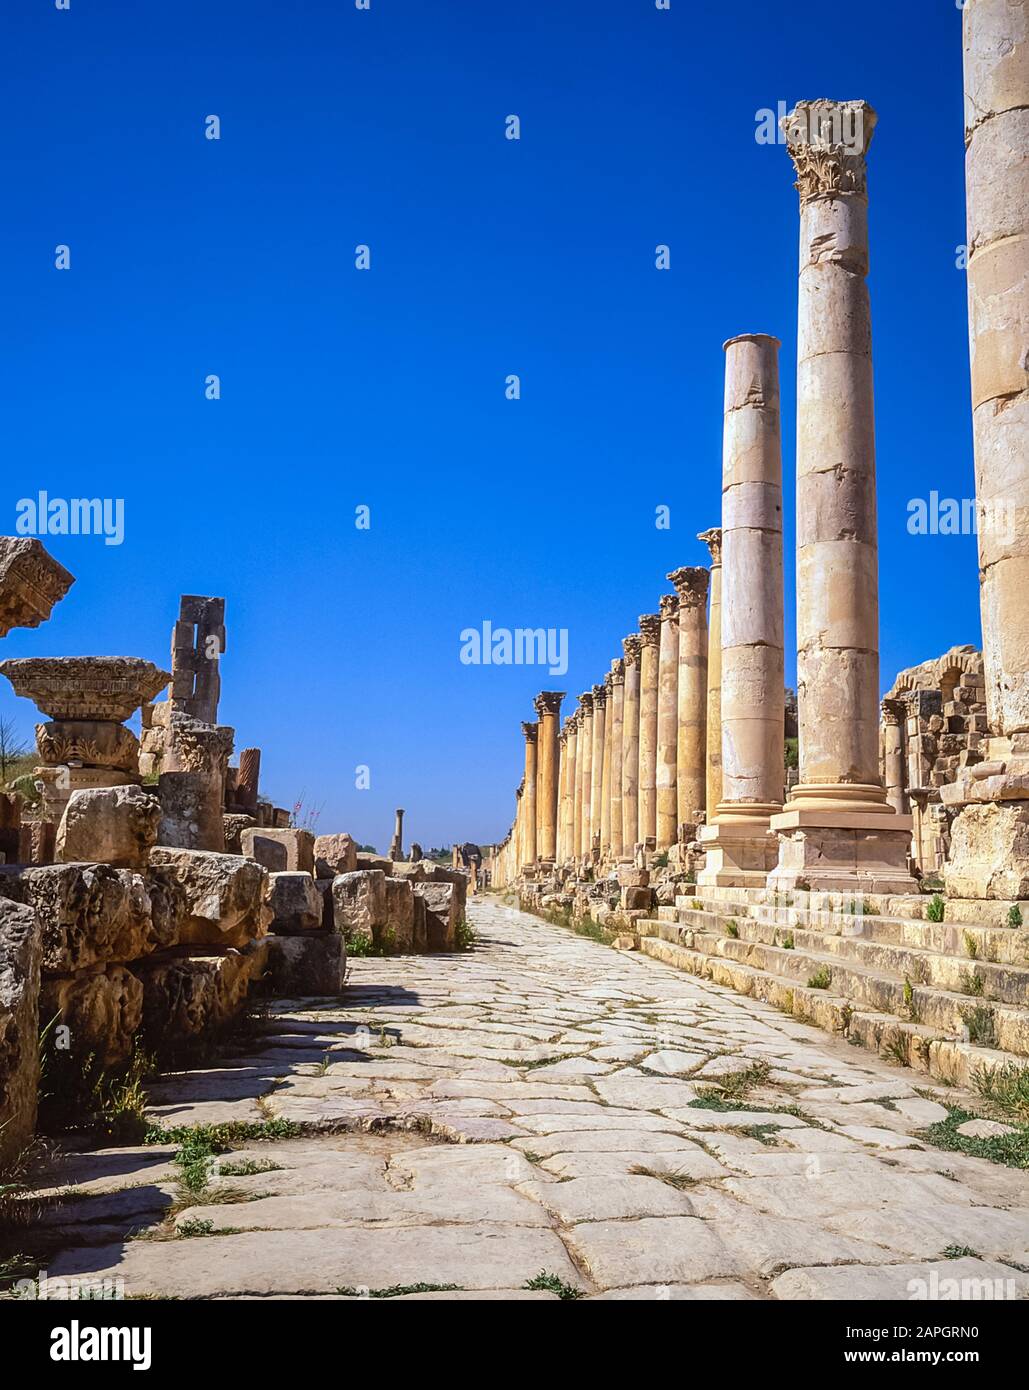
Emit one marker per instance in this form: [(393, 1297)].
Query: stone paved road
[(526, 1108)]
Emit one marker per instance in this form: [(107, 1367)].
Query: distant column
[(713, 771), (691, 587), (529, 851), (632, 646), (667, 721), (597, 765), (585, 771), (650, 636), (575, 783), (548, 707), (616, 723)]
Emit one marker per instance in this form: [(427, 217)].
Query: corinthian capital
[(616, 675), (586, 704), (599, 696), (691, 583), (650, 629), (632, 646), (828, 141), (530, 731), (548, 702), (713, 540)]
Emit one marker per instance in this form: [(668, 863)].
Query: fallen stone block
[(299, 846), (375, 861), (102, 1010), (296, 904), (398, 933), (234, 825), (20, 955), (184, 999), (109, 825), (359, 902), (334, 854), (90, 914), (636, 898), (226, 896), (442, 914), (270, 854), (312, 964)]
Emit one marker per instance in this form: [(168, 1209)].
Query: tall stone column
[(396, 849), (248, 779), (691, 587), (741, 849), (894, 718), (575, 783), (597, 765), (713, 769), (989, 856), (667, 722), (529, 847), (616, 724), (632, 646), (585, 772), (548, 707), (566, 815), (605, 781), (650, 636), (837, 831), (518, 833)]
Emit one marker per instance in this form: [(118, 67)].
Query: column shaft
[(713, 770), (691, 585), (616, 721), (529, 849), (548, 707), (667, 722), (632, 646), (597, 765), (650, 633)]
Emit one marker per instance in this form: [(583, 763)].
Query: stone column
[(667, 722), (989, 854), (518, 834), (198, 642), (396, 849), (529, 848), (562, 790), (691, 587), (632, 646), (605, 781), (574, 784), (548, 707), (741, 849), (191, 787), (837, 831), (248, 779), (616, 725), (650, 636), (597, 766), (894, 718), (713, 769), (585, 772)]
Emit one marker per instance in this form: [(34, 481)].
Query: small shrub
[(971, 982), (195, 1227), (935, 908), (552, 1283), (821, 979), (971, 945), (465, 937), (1014, 915), (980, 1025), (1006, 1088), (787, 942), (731, 929)]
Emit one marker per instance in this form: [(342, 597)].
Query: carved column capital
[(599, 696), (892, 711), (530, 731), (632, 646), (828, 141), (616, 675), (548, 702), (650, 629), (586, 704), (691, 585), (712, 538), (668, 606)]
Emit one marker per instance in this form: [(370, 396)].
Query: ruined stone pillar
[(396, 849), (894, 718), (650, 636), (605, 781), (616, 724), (597, 766), (548, 707), (837, 831), (741, 849), (691, 587), (585, 772), (713, 732), (191, 788), (989, 853), (667, 722), (574, 782), (529, 848), (248, 779), (632, 646), (198, 642)]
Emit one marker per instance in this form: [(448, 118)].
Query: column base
[(839, 850), (989, 851), (740, 854)]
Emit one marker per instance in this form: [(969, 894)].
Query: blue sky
[(385, 388)]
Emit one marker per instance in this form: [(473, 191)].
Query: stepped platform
[(947, 998)]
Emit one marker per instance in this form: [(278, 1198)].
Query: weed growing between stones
[(935, 908), (553, 1283), (79, 1094), (821, 979), (466, 937), (1011, 1150), (397, 1290), (981, 1025), (1006, 1088)]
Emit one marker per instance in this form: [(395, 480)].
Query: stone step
[(873, 988), (950, 1059)]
